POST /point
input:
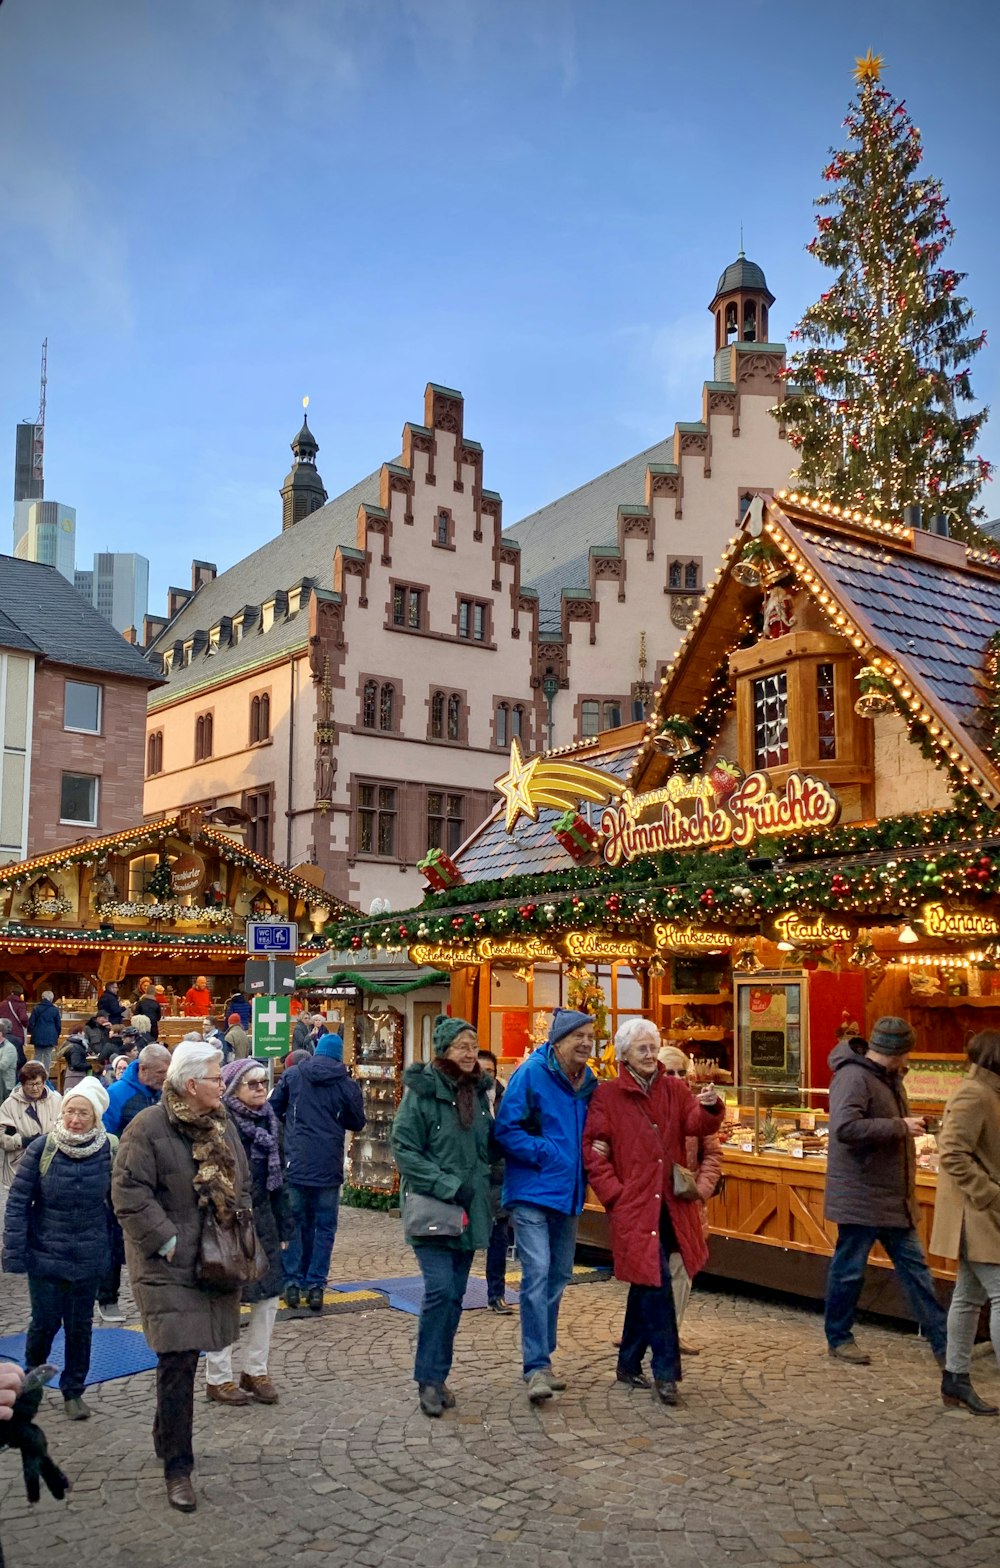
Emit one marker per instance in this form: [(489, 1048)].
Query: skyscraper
[(45, 531), (117, 587), (28, 485)]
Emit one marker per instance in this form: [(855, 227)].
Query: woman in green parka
[(441, 1141)]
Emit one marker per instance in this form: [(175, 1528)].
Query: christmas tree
[(872, 402), (161, 883)]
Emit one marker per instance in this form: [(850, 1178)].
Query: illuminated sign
[(810, 930), (735, 816), (598, 946), (517, 950), (672, 933), (438, 956), (551, 781), (959, 924)]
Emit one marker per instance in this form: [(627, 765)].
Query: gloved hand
[(22, 1433)]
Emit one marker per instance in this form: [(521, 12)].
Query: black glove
[(21, 1432)]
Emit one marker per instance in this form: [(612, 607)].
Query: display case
[(696, 1014), (378, 1068)]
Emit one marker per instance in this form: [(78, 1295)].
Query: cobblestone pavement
[(775, 1456)]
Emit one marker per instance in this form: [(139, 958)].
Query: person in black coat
[(148, 1007), (45, 1027), (108, 1002), (319, 1103), (238, 1004), (245, 1099), (76, 1053), (500, 1235), (57, 1232)]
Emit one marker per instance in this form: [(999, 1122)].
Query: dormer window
[(795, 698)]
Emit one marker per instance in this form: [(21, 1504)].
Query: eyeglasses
[(255, 1083)]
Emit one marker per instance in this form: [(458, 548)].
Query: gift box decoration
[(440, 870), (576, 835)]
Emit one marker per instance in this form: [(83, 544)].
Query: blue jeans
[(847, 1274), (546, 1245), (446, 1274), (306, 1259), (651, 1323), (496, 1260)]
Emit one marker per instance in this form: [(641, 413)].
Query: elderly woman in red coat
[(636, 1134)]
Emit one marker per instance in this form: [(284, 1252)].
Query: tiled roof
[(304, 552), (57, 622), (11, 635), (934, 614), (531, 848), (555, 540)]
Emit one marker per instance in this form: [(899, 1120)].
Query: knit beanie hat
[(330, 1045), (234, 1073), (234, 1018), (891, 1036), (92, 1090), (447, 1030), (564, 1021)]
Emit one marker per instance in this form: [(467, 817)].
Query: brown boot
[(226, 1394), (259, 1388)]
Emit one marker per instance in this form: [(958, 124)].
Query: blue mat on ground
[(406, 1293), (114, 1352)]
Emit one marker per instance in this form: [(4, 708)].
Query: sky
[(212, 208)]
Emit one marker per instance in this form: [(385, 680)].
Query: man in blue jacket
[(318, 1102), (539, 1126), (45, 1027)]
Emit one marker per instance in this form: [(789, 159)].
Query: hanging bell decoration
[(757, 561), (746, 962), (876, 694), (676, 738), (864, 956)]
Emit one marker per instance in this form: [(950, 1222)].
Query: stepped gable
[(921, 607)]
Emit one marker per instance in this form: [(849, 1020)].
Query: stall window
[(770, 720), (826, 712), (522, 1001)]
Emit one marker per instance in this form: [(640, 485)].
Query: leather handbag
[(229, 1255), (431, 1219), (684, 1185)]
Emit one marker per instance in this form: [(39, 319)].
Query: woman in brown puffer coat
[(175, 1159)]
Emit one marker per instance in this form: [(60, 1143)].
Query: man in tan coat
[(967, 1214)]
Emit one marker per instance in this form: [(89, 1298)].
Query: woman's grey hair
[(48, 996), (191, 1059), (632, 1030)]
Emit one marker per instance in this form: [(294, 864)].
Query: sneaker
[(226, 1394), (259, 1388), (110, 1312), (850, 1351), (76, 1410), (314, 1300), (292, 1295), (500, 1307), (447, 1397), (557, 1384), (431, 1402), (539, 1386)]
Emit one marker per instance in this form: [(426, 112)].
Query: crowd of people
[(178, 1146)]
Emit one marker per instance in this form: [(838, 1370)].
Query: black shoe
[(633, 1379), (500, 1307), (447, 1397), (293, 1296), (180, 1494), (957, 1389), (431, 1402), (665, 1391), (314, 1300)]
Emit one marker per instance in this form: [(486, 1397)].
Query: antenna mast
[(38, 444)]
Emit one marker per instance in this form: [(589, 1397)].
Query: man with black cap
[(539, 1126), (870, 1185)]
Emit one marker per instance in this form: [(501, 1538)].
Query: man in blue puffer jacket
[(539, 1126), (318, 1102)]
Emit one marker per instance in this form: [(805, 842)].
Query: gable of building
[(58, 622)]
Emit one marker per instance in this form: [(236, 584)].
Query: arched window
[(437, 716), (260, 718), (517, 722), (675, 574), (369, 708), (154, 753), (692, 575), (386, 707), (503, 715), (203, 737), (749, 322), (443, 528), (454, 716), (265, 716), (732, 323)]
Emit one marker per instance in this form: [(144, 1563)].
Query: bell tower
[(302, 491), (740, 306)]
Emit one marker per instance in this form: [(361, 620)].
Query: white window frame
[(81, 822), (76, 729)]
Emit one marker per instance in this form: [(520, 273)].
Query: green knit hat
[(446, 1031)]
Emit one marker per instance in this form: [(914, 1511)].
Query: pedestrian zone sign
[(272, 1022)]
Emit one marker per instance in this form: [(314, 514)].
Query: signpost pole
[(270, 992)]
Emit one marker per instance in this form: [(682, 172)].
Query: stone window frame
[(504, 729), (446, 817), (407, 588), (250, 805), (204, 735), (154, 753), (453, 698), (448, 542), (377, 784), (605, 721), (686, 566), (474, 603), (259, 717), (380, 683)]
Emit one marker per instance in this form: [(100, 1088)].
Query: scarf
[(645, 1084), (259, 1131), (78, 1145), (465, 1086), (215, 1176)]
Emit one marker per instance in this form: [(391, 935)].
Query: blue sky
[(214, 207)]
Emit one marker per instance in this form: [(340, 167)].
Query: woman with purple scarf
[(245, 1098)]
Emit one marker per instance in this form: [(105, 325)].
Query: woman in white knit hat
[(56, 1232)]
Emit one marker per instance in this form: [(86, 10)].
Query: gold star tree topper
[(868, 68)]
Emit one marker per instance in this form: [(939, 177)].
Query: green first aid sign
[(272, 1023)]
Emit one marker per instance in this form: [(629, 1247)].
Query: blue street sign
[(265, 937)]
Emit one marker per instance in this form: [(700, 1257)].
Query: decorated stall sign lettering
[(751, 810), (438, 956), (810, 930), (958, 924), (517, 949), (597, 946), (188, 874), (673, 933)]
